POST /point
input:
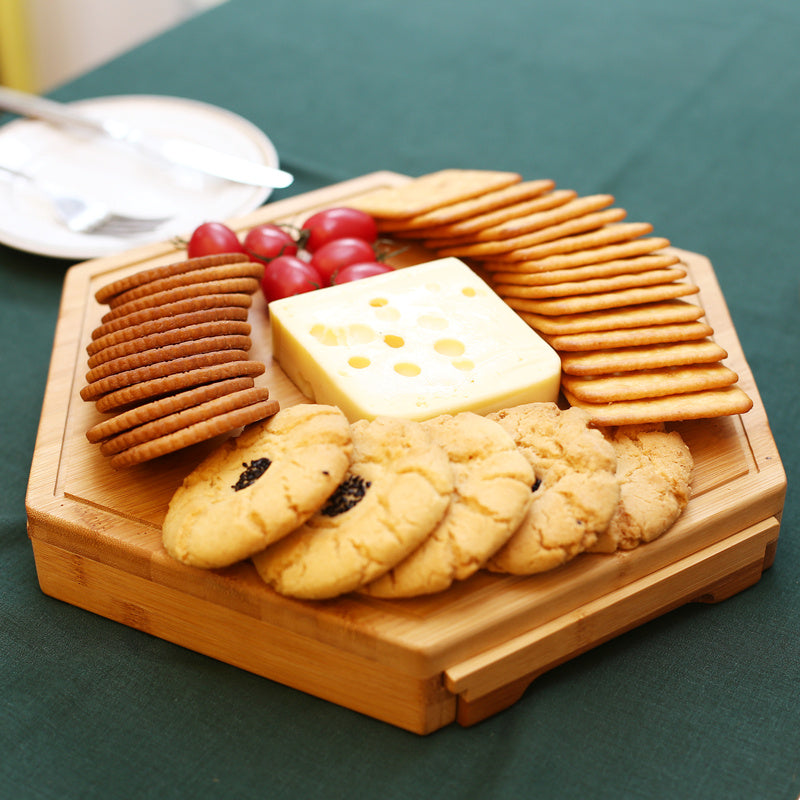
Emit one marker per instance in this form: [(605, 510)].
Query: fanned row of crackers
[(607, 294)]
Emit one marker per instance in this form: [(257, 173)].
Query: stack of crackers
[(611, 298), (169, 362)]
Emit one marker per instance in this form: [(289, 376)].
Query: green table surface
[(688, 112)]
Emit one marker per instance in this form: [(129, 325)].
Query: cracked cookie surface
[(397, 489), (577, 490), (258, 487)]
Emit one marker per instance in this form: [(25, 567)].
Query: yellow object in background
[(16, 68)]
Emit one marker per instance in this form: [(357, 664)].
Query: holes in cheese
[(414, 343)]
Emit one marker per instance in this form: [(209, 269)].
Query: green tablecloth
[(688, 111)]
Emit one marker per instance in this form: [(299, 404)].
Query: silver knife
[(177, 151)]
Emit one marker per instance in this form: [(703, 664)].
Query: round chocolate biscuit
[(164, 406), (148, 390), (111, 290)]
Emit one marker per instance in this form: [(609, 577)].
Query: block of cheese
[(413, 343)]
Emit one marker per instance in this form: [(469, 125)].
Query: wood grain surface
[(421, 663)]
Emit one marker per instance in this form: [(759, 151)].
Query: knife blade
[(174, 150)]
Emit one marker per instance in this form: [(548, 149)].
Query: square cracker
[(651, 356), (578, 304), (434, 190), (630, 337), (608, 269), (469, 226), (595, 285), (466, 209), (665, 313), (672, 408), (480, 245), (648, 383)]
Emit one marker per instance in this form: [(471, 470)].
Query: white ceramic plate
[(131, 183)]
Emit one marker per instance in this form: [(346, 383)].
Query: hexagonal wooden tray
[(420, 664)]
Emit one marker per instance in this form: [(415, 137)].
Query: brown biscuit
[(642, 384), (242, 269), (628, 359), (164, 385), (433, 190), (111, 290), (222, 423), (209, 302), (120, 380), (466, 209), (159, 325), (615, 283), (603, 300), (163, 407), (595, 255), (158, 355), (630, 337), (668, 312), (672, 408), (183, 419), (226, 286), (169, 337)]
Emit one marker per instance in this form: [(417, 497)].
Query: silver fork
[(83, 215)]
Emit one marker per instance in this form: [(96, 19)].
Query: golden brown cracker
[(514, 273), (434, 190), (663, 313), (648, 383), (672, 408), (627, 359), (467, 209), (630, 337), (593, 286), (595, 255), (604, 300)]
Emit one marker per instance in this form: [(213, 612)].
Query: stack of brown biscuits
[(613, 300), (169, 361)]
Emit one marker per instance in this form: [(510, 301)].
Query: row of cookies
[(610, 298), (394, 508), (169, 364)]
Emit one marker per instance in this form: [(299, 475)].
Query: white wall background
[(69, 37)]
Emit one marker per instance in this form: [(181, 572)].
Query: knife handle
[(31, 105)]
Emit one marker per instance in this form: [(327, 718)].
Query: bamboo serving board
[(420, 664)]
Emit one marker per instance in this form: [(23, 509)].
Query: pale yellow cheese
[(413, 343)]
